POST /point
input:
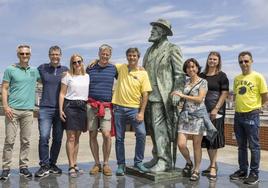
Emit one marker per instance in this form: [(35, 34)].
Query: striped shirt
[(101, 82)]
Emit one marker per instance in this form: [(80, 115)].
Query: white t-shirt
[(77, 86)]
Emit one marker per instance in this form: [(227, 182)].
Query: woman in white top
[(72, 106)]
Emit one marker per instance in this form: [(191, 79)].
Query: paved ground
[(227, 158)]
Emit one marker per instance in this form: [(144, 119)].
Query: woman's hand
[(62, 116), (213, 114)]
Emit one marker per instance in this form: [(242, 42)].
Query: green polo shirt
[(22, 85)]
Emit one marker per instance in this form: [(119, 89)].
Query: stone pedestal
[(156, 177)]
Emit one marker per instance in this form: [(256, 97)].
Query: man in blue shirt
[(49, 118), (18, 97), (102, 74)]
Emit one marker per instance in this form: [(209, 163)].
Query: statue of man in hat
[(163, 62)]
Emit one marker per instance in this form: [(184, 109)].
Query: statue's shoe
[(150, 163), (160, 166)]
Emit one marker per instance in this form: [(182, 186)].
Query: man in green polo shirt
[(18, 97)]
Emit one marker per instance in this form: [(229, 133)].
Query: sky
[(81, 26)]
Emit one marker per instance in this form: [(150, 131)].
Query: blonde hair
[(71, 70)]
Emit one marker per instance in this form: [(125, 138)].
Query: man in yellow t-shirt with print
[(250, 92), (129, 102)]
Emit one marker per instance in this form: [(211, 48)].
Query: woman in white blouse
[(72, 106)]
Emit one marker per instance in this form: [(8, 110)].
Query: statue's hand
[(175, 100)]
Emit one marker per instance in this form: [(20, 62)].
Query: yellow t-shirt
[(130, 86), (248, 90)]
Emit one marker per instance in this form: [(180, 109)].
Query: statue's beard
[(153, 39)]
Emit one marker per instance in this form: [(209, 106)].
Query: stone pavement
[(227, 158)]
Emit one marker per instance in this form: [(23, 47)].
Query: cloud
[(167, 12), (207, 48), (81, 20), (177, 14), (258, 9), (220, 21), (203, 37), (3, 2), (140, 37), (158, 9)]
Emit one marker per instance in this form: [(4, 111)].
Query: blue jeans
[(123, 116), (246, 128), (48, 119)]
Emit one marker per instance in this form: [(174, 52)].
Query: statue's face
[(156, 33)]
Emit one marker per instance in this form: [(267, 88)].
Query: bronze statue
[(163, 62)]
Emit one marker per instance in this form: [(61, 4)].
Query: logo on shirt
[(244, 86), (242, 90)]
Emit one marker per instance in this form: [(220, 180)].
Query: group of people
[(81, 98)]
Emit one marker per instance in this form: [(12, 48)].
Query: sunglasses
[(243, 61), (27, 53), (75, 62)]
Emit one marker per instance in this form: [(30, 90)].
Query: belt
[(257, 111)]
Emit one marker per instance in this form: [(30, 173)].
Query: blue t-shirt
[(101, 82), (22, 85), (51, 79)]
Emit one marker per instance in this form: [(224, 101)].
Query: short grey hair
[(23, 46), (54, 48), (104, 47)]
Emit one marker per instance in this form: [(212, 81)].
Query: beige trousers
[(23, 119)]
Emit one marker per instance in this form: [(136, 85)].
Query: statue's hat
[(163, 23)]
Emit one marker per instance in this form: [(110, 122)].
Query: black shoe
[(239, 174), (43, 171), (54, 169), (187, 170), (5, 174), (252, 179), (25, 172)]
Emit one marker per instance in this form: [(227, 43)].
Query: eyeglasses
[(75, 62), (243, 61), (27, 53)]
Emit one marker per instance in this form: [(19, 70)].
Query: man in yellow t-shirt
[(129, 102), (250, 92)]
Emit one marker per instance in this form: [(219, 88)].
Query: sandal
[(77, 169), (207, 171), (72, 172), (195, 176), (212, 177), (187, 170)]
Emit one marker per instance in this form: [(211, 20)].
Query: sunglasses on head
[(75, 62)]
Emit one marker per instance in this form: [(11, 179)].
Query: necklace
[(192, 83)]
